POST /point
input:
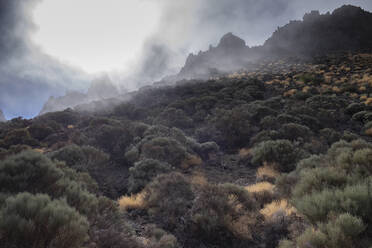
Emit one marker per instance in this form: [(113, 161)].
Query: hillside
[(254, 140), (277, 153)]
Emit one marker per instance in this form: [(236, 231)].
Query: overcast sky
[(50, 46)]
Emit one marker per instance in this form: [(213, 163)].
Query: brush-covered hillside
[(277, 154)]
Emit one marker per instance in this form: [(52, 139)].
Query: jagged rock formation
[(348, 28), (101, 88), (230, 53), (2, 117)]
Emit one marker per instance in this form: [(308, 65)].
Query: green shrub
[(354, 108), (40, 131), (174, 118), (28, 171), (143, 172), (224, 213), (341, 232), (164, 149), (317, 179), (37, 221), (168, 198), (279, 152), (81, 158), (293, 131), (33, 172), (19, 137)]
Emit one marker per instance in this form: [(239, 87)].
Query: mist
[(191, 26), (28, 76)]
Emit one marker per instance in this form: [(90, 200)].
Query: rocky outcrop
[(348, 28), (2, 117)]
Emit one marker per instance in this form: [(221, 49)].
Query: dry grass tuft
[(368, 101), (136, 201), (368, 132), (260, 187), (290, 93), (191, 161), (267, 172), (244, 152), (199, 180), (275, 207)]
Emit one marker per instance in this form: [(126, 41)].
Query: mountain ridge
[(348, 28)]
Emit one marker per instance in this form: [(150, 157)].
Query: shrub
[(113, 139), (293, 131), (354, 108), (317, 179), (174, 118), (341, 232), (40, 131), (37, 221), (225, 214), (168, 198), (143, 172), (33, 172), (164, 149), (28, 171), (279, 152), (18, 137), (81, 158)]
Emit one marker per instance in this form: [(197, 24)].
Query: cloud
[(27, 75)]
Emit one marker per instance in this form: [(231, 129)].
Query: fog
[(28, 76)]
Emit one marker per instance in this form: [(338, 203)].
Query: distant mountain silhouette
[(101, 88), (2, 117), (348, 28)]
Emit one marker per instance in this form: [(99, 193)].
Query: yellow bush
[(244, 152), (260, 187), (277, 206), (368, 101), (191, 161), (363, 97), (368, 132), (136, 201), (306, 89), (267, 171), (290, 93)]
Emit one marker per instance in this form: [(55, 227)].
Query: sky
[(51, 46)]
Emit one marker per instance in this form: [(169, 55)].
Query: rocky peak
[(230, 41), (2, 117)]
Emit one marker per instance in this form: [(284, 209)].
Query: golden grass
[(260, 187), (368, 132), (136, 201), (362, 88), (266, 171), (199, 180), (39, 150), (306, 89), (336, 89), (290, 93), (368, 101), (363, 97), (244, 152), (191, 161), (277, 206)]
